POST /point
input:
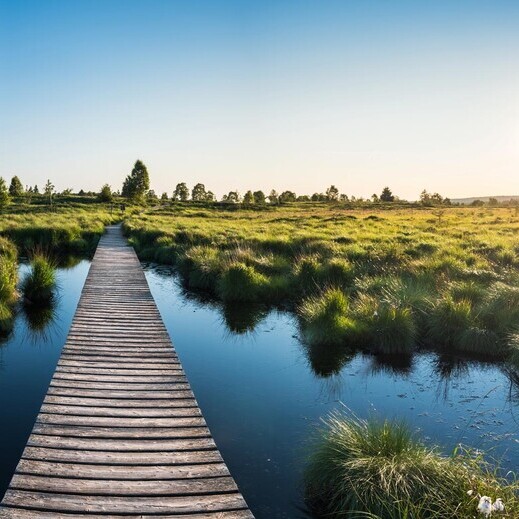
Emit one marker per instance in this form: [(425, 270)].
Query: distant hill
[(467, 201)]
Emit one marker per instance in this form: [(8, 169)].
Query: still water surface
[(263, 393)]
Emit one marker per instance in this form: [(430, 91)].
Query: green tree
[(274, 197), (137, 183), (5, 199), (233, 197), (105, 194), (248, 198), (332, 194), (181, 192), (259, 197), (151, 196), (164, 197), (387, 195), (49, 190), (36, 190), (198, 193), (16, 187), (287, 196), (209, 196)]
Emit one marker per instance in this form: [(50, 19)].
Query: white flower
[(485, 506), (470, 492), (498, 505)]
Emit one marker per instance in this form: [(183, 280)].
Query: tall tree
[(105, 194), (248, 198), (181, 192), (198, 194), (48, 191), (16, 187), (259, 197), (137, 183), (5, 199), (287, 196), (209, 196), (387, 195), (274, 197), (332, 194)]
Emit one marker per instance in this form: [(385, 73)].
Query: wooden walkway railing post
[(120, 433)]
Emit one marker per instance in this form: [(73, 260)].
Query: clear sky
[(263, 94)]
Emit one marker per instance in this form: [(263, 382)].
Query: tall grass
[(39, 284), (380, 469)]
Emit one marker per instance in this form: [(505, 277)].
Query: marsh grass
[(39, 284), (408, 279), (370, 468)]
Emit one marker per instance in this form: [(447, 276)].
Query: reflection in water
[(327, 361), (241, 319), (67, 262), (391, 364), (41, 318)]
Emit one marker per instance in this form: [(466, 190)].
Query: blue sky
[(285, 95)]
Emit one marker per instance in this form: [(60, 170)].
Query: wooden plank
[(120, 402), (102, 444), (20, 513), (116, 421), (133, 395), (58, 485), (145, 433), (121, 458), (125, 504), (120, 433), (122, 472)]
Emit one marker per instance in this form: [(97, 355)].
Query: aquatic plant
[(39, 284)]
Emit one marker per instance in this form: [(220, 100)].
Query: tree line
[(136, 189)]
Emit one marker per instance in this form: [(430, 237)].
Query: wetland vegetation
[(384, 280)]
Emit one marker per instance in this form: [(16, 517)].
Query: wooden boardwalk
[(120, 433)]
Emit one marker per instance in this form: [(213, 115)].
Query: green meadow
[(386, 281)]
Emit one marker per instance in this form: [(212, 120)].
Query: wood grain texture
[(120, 433)]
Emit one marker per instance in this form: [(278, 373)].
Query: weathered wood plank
[(59, 485), (143, 433), (125, 504), (122, 472)]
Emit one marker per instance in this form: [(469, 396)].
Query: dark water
[(262, 392)]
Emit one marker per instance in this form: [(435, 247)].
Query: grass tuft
[(39, 284), (368, 468)]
